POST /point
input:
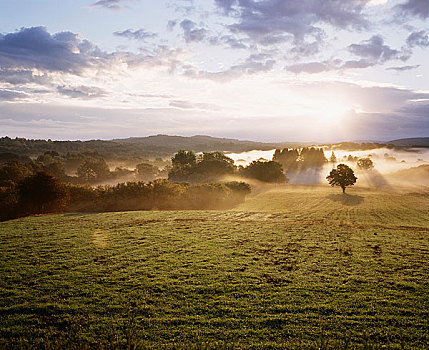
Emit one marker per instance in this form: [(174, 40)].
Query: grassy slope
[(290, 267)]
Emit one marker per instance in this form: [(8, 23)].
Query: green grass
[(293, 267)]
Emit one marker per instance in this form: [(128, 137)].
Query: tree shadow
[(346, 199), (80, 213)]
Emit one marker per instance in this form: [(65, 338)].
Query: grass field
[(293, 267)]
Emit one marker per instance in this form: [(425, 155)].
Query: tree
[(342, 176), (183, 164), (312, 157), (365, 163), (264, 171), (93, 170), (209, 166), (333, 158), (212, 166), (13, 172), (184, 158), (41, 193), (287, 158), (146, 172)]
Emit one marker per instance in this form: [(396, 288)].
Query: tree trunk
[(344, 189)]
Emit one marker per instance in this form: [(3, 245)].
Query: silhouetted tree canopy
[(146, 172), (184, 158), (287, 158), (93, 170), (293, 160), (312, 157), (264, 171), (41, 193), (365, 163), (13, 172), (209, 166), (342, 176)]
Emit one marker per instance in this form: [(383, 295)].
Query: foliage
[(210, 166), (294, 160), (312, 157), (13, 172), (342, 176), (264, 171), (287, 158), (365, 163), (159, 194), (93, 170), (146, 172), (41, 193)]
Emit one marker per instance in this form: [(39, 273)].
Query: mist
[(393, 168)]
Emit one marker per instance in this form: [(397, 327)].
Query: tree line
[(41, 185), (41, 193)]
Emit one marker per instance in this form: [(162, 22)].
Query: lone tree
[(342, 176), (365, 163)]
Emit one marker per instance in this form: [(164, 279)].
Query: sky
[(264, 70)]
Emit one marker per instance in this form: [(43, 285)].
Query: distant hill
[(411, 142), (198, 143), (140, 147)]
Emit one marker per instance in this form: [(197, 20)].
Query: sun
[(331, 110)]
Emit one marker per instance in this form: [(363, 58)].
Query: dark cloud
[(22, 77), (358, 64), (35, 48), (374, 50), (418, 8), (110, 4), (272, 21), (228, 41), (191, 33), (11, 95), (82, 92), (403, 68), (310, 67), (420, 38), (171, 24), (139, 34)]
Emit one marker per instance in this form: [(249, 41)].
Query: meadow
[(291, 267)]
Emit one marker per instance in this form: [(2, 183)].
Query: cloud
[(22, 77), (139, 34), (35, 48), (12, 95), (418, 8), (171, 24), (311, 67), (110, 4), (191, 33), (374, 50), (403, 68), (274, 21), (189, 105), (254, 64), (228, 41), (420, 38), (82, 92)]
